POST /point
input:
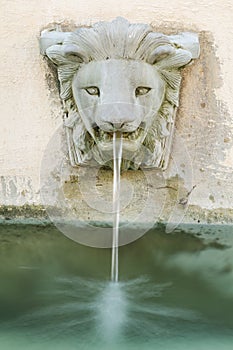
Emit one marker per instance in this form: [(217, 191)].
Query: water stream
[(117, 156)]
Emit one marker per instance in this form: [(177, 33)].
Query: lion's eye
[(142, 90), (93, 90)]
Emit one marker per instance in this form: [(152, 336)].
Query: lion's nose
[(117, 126), (112, 126)]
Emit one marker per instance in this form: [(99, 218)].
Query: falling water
[(117, 155)]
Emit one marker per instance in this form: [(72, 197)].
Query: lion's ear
[(176, 50), (74, 53), (160, 53), (54, 45), (64, 54)]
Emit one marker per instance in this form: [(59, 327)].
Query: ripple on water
[(90, 314)]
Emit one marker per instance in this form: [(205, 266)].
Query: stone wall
[(202, 154)]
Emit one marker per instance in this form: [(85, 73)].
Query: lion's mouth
[(131, 140), (102, 136)]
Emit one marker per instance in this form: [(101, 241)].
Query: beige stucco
[(30, 109)]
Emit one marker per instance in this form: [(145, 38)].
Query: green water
[(174, 292)]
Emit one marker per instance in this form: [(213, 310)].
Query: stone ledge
[(37, 214)]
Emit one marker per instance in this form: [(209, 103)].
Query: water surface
[(174, 292)]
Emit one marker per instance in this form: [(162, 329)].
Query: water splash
[(111, 313), (117, 157), (83, 313)]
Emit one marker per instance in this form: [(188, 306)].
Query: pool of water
[(174, 292)]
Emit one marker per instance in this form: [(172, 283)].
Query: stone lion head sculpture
[(119, 77)]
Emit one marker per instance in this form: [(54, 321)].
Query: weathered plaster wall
[(30, 108)]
